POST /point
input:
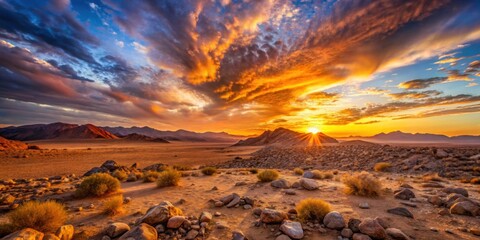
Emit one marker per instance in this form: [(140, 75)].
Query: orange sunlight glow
[(313, 130)]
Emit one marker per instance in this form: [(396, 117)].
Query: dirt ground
[(67, 157)]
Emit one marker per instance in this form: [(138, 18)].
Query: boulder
[(372, 228), (334, 220), (175, 222), (401, 211), (292, 229), (110, 165), (280, 183), (141, 232), (192, 234), (404, 194), (205, 217), (117, 229), (461, 191), (25, 234), (456, 198), (65, 232), (159, 214), (238, 235), (353, 224), (436, 200), (309, 184), (272, 216), (397, 234), (308, 174), (346, 232), (465, 208), (236, 199)]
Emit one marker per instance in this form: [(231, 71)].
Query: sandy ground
[(196, 191), (77, 157)]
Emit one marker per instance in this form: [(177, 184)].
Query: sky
[(346, 67)]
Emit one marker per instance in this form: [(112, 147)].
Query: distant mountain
[(179, 135), (55, 131), (286, 137), (6, 144), (401, 137), (140, 137), (358, 143)]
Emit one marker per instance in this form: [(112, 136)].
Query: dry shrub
[(327, 175), (150, 176), (182, 168), (322, 174), (168, 178), (209, 171), (5, 229), (382, 167), (475, 180), (253, 170), (98, 185), (312, 209), (42, 216), (268, 175), (113, 205), (362, 184), (120, 175), (298, 171)]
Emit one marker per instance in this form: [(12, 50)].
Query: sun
[(313, 130)]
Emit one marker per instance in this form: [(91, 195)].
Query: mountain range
[(401, 137), (286, 137)]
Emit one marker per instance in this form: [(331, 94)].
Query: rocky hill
[(402, 137), (286, 137), (140, 137), (6, 144)]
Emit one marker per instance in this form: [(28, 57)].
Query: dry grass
[(98, 185), (382, 167), (298, 171), (312, 209), (42, 216), (209, 171), (150, 176), (268, 175), (113, 205), (362, 184), (317, 174), (168, 178), (182, 168), (120, 175), (475, 180)]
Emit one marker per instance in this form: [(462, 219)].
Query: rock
[(372, 228), (283, 237), (455, 198), (159, 214), (383, 222), (360, 236), (95, 170), (334, 220), (353, 224), (205, 217), (132, 177), (405, 194), (280, 183), (465, 208), (247, 206), (234, 202), (218, 204), (364, 205), (238, 235), (309, 184), (435, 200), (50, 236), (308, 174), (8, 199), (346, 232), (475, 231), (192, 234), (160, 228), (441, 153), (292, 229), (401, 211), (405, 185), (65, 232), (110, 165), (228, 198), (127, 200), (175, 222), (117, 229), (272, 216), (397, 234), (461, 191), (242, 183), (290, 192), (432, 185), (141, 232), (25, 234), (257, 211)]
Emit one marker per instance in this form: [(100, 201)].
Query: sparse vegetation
[(298, 171), (167, 178), (209, 171), (317, 174), (150, 176), (268, 175), (98, 185), (182, 168), (362, 184), (120, 175), (113, 205), (42, 216), (382, 167), (253, 170), (312, 209)]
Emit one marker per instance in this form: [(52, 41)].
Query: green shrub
[(113, 205), (362, 184), (97, 185), (298, 171), (168, 178), (382, 167), (312, 209), (42, 216), (150, 176), (209, 171), (268, 175), (120, 175)]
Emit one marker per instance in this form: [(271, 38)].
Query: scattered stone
[(159, 214), (238, 184), (308, 174), (205, 217), (141, 232), (334, 220), (436, 200), (461, 191), (192, 234), (364, 205), (465, 208), (474, 231), (280, 183), (372, 228), (175, 222), (272, 216), (353, 224), (404, 194), (396, 233), (26, 233), (405, 185), (360, 236), (117, 229), (290, 192), (65, 232), (309, 184), (433, 229), (283, 237), (409, 204), (401, 211), (346, 232), (292, 229), (238, 235), (234, 202)]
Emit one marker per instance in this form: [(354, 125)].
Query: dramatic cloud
[(414, 94), (422, 83)]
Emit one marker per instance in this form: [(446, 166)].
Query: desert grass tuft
[(113, 205), (317, 174), (98, 185), (150, 176), (298, 171), (209, 171), (382, 167), (362, 184), (268, 175), (169, 177), (120, 175), (312, 209), (42, 216)]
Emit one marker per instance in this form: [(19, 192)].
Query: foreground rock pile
[(450, 162)]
